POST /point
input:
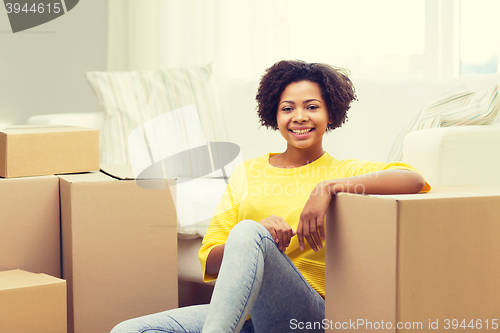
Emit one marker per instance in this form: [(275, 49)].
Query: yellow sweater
[(258, 190)]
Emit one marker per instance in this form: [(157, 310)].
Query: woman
[(265, 243)]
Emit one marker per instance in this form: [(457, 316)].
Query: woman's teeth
[(302, 131)]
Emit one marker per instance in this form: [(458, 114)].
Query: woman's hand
[(396, 181), (279, 229), (311, 223)]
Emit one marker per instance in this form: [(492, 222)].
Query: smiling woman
[(264, 245)]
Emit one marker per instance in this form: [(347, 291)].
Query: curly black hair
[(337, 89)]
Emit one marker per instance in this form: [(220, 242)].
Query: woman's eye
[(312, 107), (286, 108)]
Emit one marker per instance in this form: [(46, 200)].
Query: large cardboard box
[(119, 245), (30, 225), (36, 150), (32, 303), (426, 262)]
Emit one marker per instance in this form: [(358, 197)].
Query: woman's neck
[(294, 157)]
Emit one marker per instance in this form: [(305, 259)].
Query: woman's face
[(302, 115)]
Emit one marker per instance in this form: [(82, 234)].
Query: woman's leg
[(257, 278), (186, 320), (182, 320)]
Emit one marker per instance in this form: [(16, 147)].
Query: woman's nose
[(301, 115)]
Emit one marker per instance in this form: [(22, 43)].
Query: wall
[(42, 70)]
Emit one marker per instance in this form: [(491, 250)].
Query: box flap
[(86, 177), (28, 129), (439, 192), (452, 192), (123, 172), (3, 154), (17, 278), (463, 189)]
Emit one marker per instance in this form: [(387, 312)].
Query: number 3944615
[(477, 324), (34, 8)]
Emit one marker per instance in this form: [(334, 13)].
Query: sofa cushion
[(461, 155), (197, 200), (457, 108)]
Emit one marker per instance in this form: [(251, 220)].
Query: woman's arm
[(381, 182), (277, 227), (224, 219), (398, 181), (214, 260)]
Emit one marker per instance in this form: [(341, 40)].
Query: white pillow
[(457, 108), (132, 98)]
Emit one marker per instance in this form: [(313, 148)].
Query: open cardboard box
[(423, 259), (32, 302), (119, 244)]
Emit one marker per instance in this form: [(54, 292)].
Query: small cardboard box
[(32, 302), (119, 244), (36, 150), (427, 262), (30, 225)]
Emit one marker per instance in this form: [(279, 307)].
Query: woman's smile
[(302, 118), (301, 133)]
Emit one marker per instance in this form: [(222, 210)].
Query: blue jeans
[(255, 278)]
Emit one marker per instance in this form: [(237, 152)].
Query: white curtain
[(240, 38)]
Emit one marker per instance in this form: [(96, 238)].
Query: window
[(383, 38), (370, 38), (479, 36)]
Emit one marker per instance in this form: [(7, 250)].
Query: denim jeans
[(255, 278)]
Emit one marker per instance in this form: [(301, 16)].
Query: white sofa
[(464, 155)]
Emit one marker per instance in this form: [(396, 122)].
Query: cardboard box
[(30, 225), (32, 303), (423, 262), (36, 150), (119, 245)]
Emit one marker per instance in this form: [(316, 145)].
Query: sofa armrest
[(86, 119), (462, 155)]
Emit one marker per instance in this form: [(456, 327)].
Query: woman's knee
[(186, 319), (248, 228), (135, 325), (126, 327), (247, 234)]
